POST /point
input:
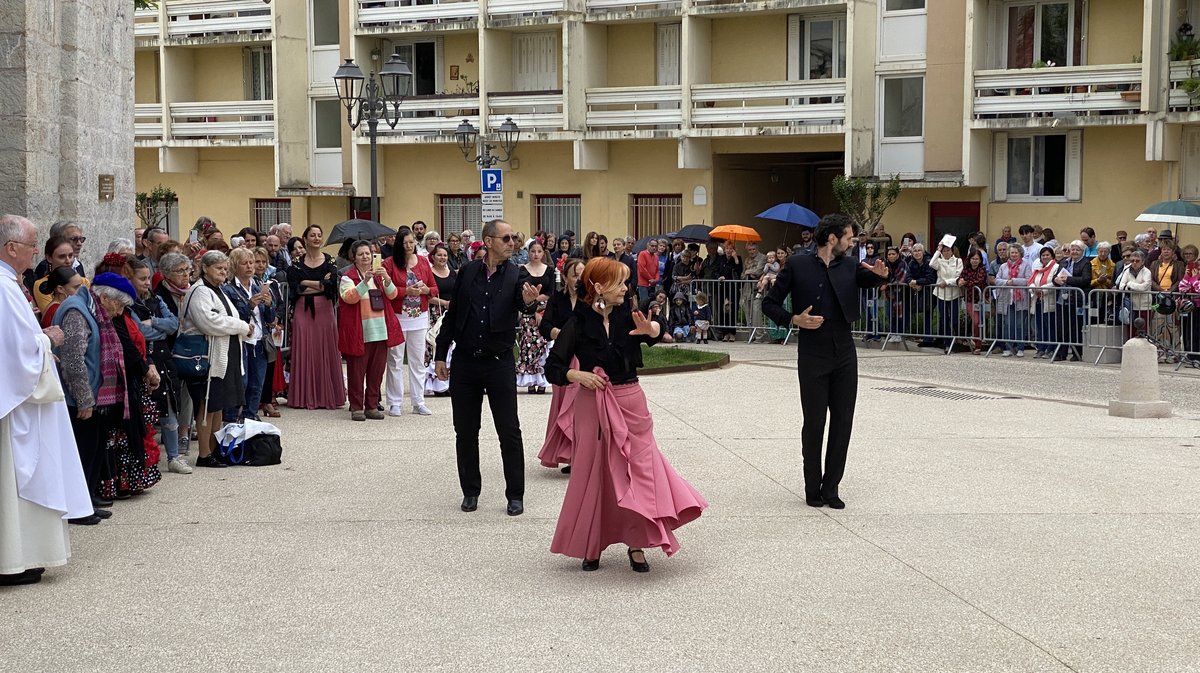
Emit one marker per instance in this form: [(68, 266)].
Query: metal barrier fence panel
[(1051, 319), (1169, 320)]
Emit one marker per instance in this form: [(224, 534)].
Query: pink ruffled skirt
[(560, 426), (622, 489)]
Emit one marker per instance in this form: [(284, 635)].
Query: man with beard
[(824, 289)]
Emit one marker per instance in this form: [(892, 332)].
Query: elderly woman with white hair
[(206, 312), (1073, 279)]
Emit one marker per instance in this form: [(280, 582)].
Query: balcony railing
[(1182, 100), (629, 5), (518, 7), (820, 101), (539, 111), (215, 17), (1037, 92), (384, 12), (434, 115), (147, 122), (226, 120), (634, 107), (145, 23)]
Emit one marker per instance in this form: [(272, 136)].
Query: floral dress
[(532, 347)]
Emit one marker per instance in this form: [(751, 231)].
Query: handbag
[(431, 334), (190, 353)]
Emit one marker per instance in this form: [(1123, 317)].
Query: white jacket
[(948, 271), (209, 312), (1138, 286), (1047, 297)]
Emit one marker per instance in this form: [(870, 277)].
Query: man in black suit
[(826, 285), (1076, 272), (482, 323)]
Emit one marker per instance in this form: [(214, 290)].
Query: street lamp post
[(370, 103), (468, 139)]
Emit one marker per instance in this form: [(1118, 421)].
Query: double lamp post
[(371, 100)]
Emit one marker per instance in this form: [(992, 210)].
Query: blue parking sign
[(491, 181)]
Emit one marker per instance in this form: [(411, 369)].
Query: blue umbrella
[(792, 214)]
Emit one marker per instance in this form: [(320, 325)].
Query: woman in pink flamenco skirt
[(556, 448), (622, 489)]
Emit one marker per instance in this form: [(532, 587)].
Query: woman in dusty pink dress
[(556, 448), (622, 489), (317, 381)]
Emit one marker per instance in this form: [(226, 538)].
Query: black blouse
[(300, 271), (445, 285), (558, 312), (617, 352), (544, 282)]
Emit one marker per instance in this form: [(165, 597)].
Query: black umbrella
[(696, 233), (357, 230)]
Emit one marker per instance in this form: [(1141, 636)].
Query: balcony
[(1185, 75), (635, 108), (429, 118), (535, 111), (517, 8), (1083, 91), (624, 6), (145, 25), (147, 124), (380, 13), (794, 107), (236, 123), (211, 18)]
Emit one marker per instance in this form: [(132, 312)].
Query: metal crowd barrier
[(1051, 319), (1112, 315), (896, 312)]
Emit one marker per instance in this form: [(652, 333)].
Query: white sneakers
[(179, 466), (895, 339), (422, 410), (394, 410)]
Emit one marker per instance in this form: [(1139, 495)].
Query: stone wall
[(66, 114)]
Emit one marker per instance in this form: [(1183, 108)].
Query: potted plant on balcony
[(1185, 46)]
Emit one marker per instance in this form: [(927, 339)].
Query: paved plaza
[(1018, 528)]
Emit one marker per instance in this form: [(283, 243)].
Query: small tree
[(864, 201), (148, 205)]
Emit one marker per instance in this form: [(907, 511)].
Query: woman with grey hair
[(121, 246), (207, 312), (175, 272), (431, 241)]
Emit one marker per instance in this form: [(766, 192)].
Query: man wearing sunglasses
[(481, 322)]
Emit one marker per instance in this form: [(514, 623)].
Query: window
[(658, 214), (1041, 33), (557, 214), (904, 107), (325, 26), (166, 216), (1038, 167), (903, 5), (816, 47), (270, 212), (328, 124), (258, 76), (459, 211)]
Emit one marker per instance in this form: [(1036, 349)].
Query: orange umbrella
[(734, 232)]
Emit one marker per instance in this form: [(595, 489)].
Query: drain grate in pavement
[(931, 391)]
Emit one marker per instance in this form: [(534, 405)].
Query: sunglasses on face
[(77, 239), (507, 238)]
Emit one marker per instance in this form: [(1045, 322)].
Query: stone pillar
[(1141, 392), (66, 115)]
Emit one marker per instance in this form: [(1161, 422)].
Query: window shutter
[(1074, 176), (793, 47), (1000, 167)]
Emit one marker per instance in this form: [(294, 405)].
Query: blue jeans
[(254, 368), (1017, 330), (169, 427), (1043, 328), (947, 321)]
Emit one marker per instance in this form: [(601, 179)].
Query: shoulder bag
[(190, 353)]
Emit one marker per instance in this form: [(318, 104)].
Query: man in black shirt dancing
[(482, 322), (824, 288)]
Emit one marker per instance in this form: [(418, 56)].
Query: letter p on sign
[(491, 181)]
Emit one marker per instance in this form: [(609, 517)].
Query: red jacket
[(647, 269), (423, 272), (350, 330)]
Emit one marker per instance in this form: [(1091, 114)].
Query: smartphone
[(194, 237), (376, 262)]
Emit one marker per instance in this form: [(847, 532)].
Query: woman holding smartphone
[(411, 274)]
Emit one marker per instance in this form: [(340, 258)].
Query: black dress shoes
[(834, 502), (516, 508), (30, 576), (102, 513), (470, 503), (814, 501), (85, 520), (209, 461), (566, 469), (589, 566), (642, 566)]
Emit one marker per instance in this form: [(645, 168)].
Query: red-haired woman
[(622, 489)]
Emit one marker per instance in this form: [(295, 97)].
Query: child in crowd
[(770, 273), (680, 319), (703, 316)]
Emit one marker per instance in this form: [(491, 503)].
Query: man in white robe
[(41, 480)]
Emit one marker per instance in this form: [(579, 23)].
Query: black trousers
[(470, 379), (91, 437), (828, 372)]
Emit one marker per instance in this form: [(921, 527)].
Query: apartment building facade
[(639, 117)]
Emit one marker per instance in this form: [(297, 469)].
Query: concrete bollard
[(1140, 394)]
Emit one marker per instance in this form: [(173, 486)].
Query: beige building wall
[(1113, 31), (218, 74), (631, 54), (145, 77), (223, 188), (944, 93), (749, 49)]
